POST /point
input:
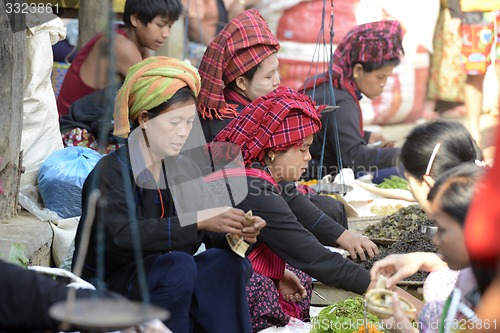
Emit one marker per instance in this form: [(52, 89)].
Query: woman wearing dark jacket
[(206, 292), (362, 63), (274, 133), (238, 66)]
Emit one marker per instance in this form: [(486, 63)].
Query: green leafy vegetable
[(342, 317), (395, 182)]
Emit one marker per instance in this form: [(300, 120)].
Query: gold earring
[(271, 158), (355, 76)]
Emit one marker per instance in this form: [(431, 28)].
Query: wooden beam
[(11, 107)]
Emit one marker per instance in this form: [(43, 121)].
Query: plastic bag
[(61, 178), (29, 200)]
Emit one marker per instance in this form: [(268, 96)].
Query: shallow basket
[(374, 302)]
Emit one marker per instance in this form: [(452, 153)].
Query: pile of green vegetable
[(406, 219), (342, 317), (394, 182)]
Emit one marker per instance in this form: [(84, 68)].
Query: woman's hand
[(231, 220), (376, 137), (222, 219), (379, 139), (400, 266), (290, 287), (357, 244), (252, 228)]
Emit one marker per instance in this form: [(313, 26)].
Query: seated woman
[(429, 150), (432, 148), (274, 133), (206, 292), (362, 63), (450, 198), (238, 66)]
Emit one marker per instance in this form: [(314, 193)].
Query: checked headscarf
[(148, 84), (374, 42), (243, 44), (278, 121)]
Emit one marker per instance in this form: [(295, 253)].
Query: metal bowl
[(428, 230), (431, 231), (104, 315)]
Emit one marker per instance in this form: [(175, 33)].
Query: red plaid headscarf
[(374, 42), (278, 120), (243, 44)]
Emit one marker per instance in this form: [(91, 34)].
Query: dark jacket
[(297, 242), (353, 146), (114, 177)]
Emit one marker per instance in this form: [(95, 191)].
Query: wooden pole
[(92, 15), (11, 108)]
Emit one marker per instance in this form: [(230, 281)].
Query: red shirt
[(73, 87)]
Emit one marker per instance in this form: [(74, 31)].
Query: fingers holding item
[(235, 214), (257, 225), (250, 233)]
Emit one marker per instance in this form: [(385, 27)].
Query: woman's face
[(371, 84), (449, 238), (265, 79), (291, 164), (168, 131)]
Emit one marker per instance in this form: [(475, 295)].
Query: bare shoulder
[(122, 43), (127, 54)]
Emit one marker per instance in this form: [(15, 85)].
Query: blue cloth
[(203, 293)]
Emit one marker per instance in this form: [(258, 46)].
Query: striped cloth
[(148, 84), (278, 120), (243, 44)]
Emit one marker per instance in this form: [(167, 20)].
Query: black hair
[(147, 10), (182, 95), (456, 146), (372, 66), (249, 74), (456, 188)]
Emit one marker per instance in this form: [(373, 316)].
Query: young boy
[(146, 26)]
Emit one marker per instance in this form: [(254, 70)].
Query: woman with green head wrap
[(155, 110)]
